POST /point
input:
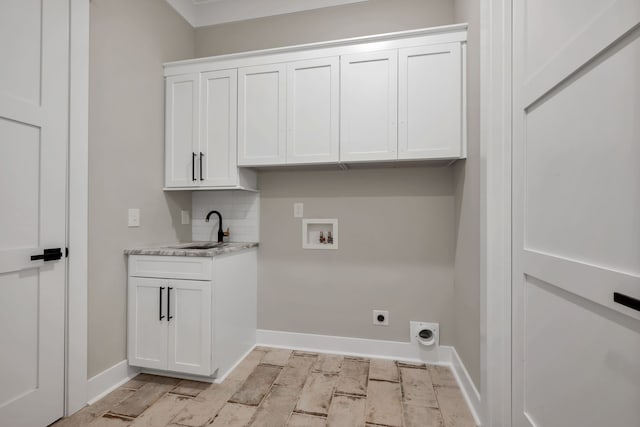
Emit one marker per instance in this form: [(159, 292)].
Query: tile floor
[(278, 388)]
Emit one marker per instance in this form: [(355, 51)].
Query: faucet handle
[(226, 233)]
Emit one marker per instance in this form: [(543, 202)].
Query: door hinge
[(66, 252)]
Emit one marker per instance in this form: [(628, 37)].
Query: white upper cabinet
[(217, 156), (380, 98), (262, 115), (369, 106), (181, 130), (430, 102), (313, 103)]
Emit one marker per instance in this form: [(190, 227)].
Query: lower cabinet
[(170, 324), (198, 327)]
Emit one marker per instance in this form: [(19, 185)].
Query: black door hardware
[(160, 305), (48, 255), (169, 316), (201, 156), (626, 300), (193, 166)]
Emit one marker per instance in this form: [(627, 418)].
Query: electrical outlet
[(185, 217), (298, 210), (381, 317), (134, 217)]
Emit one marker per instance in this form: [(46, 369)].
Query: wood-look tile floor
[(278, 388)]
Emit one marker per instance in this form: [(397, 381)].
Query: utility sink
[(199, 245)]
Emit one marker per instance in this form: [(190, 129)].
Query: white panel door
[(262, 115), (369, 106), (189, 320), (313, 104), (181, 131), (147, 322), (34, 112), (576, 224), (430, 102), (217, 157)]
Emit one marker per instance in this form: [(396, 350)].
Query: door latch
[(48, 255)]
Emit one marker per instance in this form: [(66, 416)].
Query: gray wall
[(129, 42), (396, 252), (357, 19), (397, 228), (467, 190)]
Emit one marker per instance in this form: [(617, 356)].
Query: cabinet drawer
[(171, 267)]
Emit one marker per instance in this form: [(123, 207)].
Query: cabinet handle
[(169, 316), (201, 156), (193, 166), (160, 305)]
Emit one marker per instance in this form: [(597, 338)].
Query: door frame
[(496, 210), (76, 340)]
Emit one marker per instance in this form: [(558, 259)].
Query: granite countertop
[(179, 249)]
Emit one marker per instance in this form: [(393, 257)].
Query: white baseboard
[(360, 347), (108, 380), (469, 390)]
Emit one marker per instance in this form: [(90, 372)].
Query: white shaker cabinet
[(431, 102), (369, 106), (217, 159), (313, 104), (192, 315), (170, 325), (262, 115), (200, 132), (181, 130)]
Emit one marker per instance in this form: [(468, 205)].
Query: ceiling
[(200, 13)]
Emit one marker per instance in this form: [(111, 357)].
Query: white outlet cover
[(185, 217), (134, 217), (385, 313), (298, 210)]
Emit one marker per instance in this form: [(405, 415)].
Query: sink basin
[(199, 245)]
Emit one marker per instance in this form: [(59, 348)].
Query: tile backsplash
[(240, 212)]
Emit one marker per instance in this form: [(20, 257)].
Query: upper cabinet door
[(369, 106), (262, 115), (181, 130), (431, 102), (313, 102), (218, 118)]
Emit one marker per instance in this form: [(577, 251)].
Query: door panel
[(369, 106), (262, 115), (181, 132), (218, 121), (20, 74), (430, 102), (190, 328), (147, 311), (313, 103), (576, 352), (34, 44)]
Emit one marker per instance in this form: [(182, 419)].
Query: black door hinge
[(66, 252)]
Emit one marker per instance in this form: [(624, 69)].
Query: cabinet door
[(313, 102), (430, 102), (181, 130), (369, 106), (189, 326), (217, 162), (147, 328), (262, 115)]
